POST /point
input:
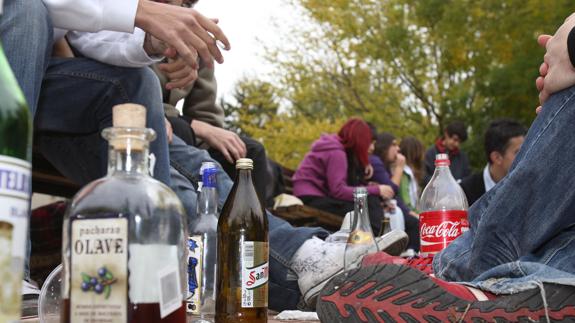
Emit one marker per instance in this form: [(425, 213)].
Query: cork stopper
[(129, 115), (244, 163)]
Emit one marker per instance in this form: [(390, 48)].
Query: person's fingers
[(180, 73), (543, 69), (543, 39), (241, 146), (183, 82), (187, 53), (209, 47), (215, 20), (543, 96), (170, 52), (539, 83), (538, 110), (215, 32), (172, 67)]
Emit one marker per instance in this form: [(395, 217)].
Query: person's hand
[(185, 29), (386, 191), (413, 214), (179, 73), (368, 171), (169, 130), (226, 142), (399, 162), (556, 71)]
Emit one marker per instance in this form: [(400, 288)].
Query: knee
[(143, 87), (29, 18)]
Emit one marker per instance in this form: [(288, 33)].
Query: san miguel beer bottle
[(124, 237), (243, 259), (15, 140)]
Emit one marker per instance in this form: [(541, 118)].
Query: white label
[(99, 271), (255, 268), (14, 200), (170, 292), (195, 257), (146, 263)]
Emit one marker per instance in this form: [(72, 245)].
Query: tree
[(411, 66)]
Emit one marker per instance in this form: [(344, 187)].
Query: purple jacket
[(323, 171)]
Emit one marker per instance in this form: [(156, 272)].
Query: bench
[(303, 215)]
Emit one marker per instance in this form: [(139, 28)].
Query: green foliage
[(408, 66)]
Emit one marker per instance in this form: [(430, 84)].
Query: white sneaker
[(317, 261)]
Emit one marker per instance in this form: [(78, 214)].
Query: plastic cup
[(49, 300)]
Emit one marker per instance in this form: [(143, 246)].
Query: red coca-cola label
[(438, 228)]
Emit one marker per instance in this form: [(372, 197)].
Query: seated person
[(410, 189), (454, 134), (502, 142), (388, 165), (515, 264), (335, 165)]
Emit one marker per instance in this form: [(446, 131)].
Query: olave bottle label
[(255, 272), (437, 229), (98, 277)]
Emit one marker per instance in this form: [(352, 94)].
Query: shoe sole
[(391, 293), (394, 248)]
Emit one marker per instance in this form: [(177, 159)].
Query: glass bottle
[(15, 143), (361, 240), (243, 256), (124, 237), (202, 245), (443, 207)]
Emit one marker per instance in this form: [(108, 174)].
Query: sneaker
[(423, 264), (392, 293), (317, 261), (30, 295)]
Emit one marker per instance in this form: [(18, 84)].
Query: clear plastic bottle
[(443, 207), (124, 237), (203, 248), (360, 241)]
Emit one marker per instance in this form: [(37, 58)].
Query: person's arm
[(200, 104), (184, 29), (397, 170), (114, 48), (336, 176)]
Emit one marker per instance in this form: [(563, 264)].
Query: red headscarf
[(355, 135)]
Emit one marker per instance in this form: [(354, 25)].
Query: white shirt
[(93, 15), (114, 48), (487, 179)]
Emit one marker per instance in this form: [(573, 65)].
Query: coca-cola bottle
[(443, 208)]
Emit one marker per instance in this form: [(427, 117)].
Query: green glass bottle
[(15, 152)]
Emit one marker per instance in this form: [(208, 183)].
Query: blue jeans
[(522, 232), (72, 99), (285, 239)]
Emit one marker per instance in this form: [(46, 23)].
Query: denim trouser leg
[(187, 160), (26, 35), (530, 215), (75, 105)]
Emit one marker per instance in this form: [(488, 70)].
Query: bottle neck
[(128, 152), (208, 201), (361, 214)]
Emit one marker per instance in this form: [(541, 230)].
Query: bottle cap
[(442, 160), (129, 115), (244, 163)]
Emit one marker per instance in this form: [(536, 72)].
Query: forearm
[(397, 172)]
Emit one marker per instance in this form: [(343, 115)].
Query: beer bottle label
[(255, 265), (98, 278), (195, 257), (14, 202)]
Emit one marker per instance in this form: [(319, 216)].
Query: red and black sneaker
[(392, 293), (420, 263)]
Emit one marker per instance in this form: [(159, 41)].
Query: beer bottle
[(124, 237), (15, 139), (242, 279)]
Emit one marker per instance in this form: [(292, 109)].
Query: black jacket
[(459, 164), (474, 187)]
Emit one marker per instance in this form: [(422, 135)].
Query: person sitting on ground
[(502, 142), (388, 164), (455, 133), (515, 263), (409, 189), (337, 163)]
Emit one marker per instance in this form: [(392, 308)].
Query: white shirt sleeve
[(93, 15), (114, 48)]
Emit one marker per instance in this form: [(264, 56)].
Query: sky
[(243, 22)]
